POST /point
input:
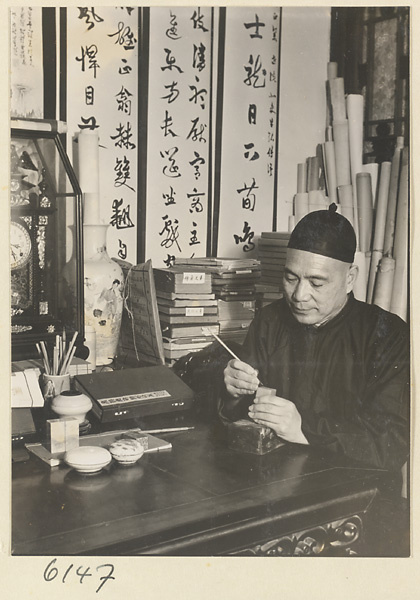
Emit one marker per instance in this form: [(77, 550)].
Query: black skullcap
[(327, 233)]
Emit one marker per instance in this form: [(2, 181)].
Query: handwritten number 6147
[(51, 572)]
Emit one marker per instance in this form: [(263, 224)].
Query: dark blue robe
[(348, 378)]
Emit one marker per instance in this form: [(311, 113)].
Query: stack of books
[(187, 310), (79, 366), (272, 249), (266, 294), (234, 285), (232, 278), (235, 317)]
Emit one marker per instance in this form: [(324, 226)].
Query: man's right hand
[(240, 378)]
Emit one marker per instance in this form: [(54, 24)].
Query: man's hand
[(240, 378), (279, 414)]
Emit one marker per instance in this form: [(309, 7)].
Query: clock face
[(20, 245)]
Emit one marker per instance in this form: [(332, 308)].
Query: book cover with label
[(134, 392), (180, 280)]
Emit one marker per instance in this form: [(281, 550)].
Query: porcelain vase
[(103, 288)]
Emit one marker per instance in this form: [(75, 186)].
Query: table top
[(194, 489)]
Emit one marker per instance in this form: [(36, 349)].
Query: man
[(340, 367)]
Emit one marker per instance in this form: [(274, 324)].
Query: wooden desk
[(198, 499)]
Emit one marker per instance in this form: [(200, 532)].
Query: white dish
[(88, 459)]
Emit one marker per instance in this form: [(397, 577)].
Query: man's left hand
[(279, 414)]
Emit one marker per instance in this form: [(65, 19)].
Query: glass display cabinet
[(46, 262)]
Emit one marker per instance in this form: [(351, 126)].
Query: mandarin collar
[(338, 318)]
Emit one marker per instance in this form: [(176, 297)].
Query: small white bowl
[(88, 459), (126, 451)]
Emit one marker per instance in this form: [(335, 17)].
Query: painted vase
[(103, 290)]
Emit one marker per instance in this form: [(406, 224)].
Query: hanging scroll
[(26, 78), (249, 128), (178, 133), (102, 88)]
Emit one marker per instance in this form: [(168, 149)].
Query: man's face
[(316, 286)]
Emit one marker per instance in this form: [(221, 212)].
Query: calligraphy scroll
[(247, 194), (102, 90), (27, 92), (178, 133)]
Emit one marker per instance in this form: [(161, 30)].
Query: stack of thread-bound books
[(187, 310), (234, 285), (272, 249)]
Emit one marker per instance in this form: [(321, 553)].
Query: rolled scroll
[(314, 168), (330, 171), (292, 223), (379, 231), (360, 286), (301, 178), (400, 287), (342, 152), (373, 169), (355, 119), (345, 195), (365, 210), (337, 98), (317, 200), (384, 281), (392, 198), (332, 68), (301, 202)]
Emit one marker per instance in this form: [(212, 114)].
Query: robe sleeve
[(253, 352), (377, 434)]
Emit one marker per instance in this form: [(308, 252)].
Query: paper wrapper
[(141, 337)]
